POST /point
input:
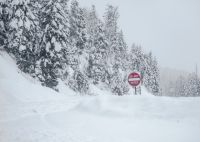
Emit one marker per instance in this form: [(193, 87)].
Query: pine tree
[(53, 24), (155, 86), (110, 19), (151, 75), (120, 52), (191, 87), (97, 48), (5, 16), (19, 23), (117, 51), (78, 37), (78, 43), (77, 27)]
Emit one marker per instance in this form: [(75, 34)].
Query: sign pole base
[(135, 91)]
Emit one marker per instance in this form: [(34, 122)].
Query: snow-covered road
[(107, 118), (32, 113)]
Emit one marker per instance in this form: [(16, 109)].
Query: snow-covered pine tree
[(53, 25), (77, 27), (116, 51), (155, 86), (5, 16), (120, 63), (191, 86), (110, 18), (151, 75), (20, 27), (111, 28), (96, 69), (66, 50), (78, 42), (121, 52), (91, 24)]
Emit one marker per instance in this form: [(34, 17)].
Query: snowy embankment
[(32, 113)]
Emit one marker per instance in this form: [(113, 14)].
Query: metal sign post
[(135, 91)]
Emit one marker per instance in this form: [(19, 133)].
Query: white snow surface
[(32, 113)]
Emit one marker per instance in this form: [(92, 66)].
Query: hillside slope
[(32, 113)]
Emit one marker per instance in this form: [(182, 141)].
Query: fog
[(168, 28)]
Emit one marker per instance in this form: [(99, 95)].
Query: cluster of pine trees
[(188, 86), (58, 39)]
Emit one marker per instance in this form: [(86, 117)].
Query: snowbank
[(32, 113)]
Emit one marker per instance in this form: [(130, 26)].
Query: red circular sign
[(134, 79)]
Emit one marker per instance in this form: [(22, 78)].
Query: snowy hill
[(32, 113)]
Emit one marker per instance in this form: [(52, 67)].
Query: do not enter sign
[(134, 79)]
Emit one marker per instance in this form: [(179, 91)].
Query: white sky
[(168, 28)]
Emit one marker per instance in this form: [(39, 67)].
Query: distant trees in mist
[(184, 86)]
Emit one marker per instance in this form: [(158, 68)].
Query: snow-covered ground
[(32, 113)]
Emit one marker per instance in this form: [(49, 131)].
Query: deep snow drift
[(32, 113)]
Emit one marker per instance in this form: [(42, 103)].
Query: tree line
[(184, 86), (58, 39)]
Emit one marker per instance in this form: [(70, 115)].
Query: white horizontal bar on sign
[(134, 79)]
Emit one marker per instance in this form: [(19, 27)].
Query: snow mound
[(139, 107)]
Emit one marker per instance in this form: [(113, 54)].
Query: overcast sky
[(168, 28)]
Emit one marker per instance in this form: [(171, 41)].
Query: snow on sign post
[(134, 80)]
